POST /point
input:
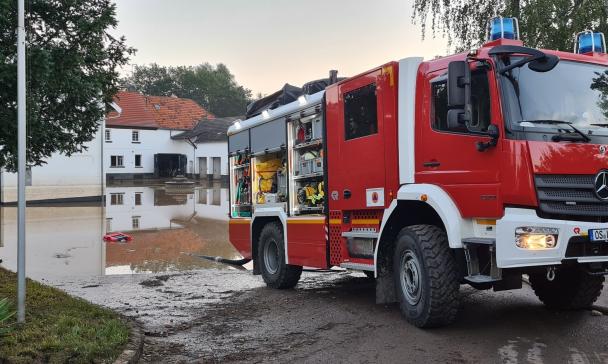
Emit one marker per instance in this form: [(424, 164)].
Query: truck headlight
[(536, 238)]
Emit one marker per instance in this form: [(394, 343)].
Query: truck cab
[(482, 168)]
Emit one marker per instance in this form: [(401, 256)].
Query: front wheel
[(271, 257), (426, 276), (571, 289)]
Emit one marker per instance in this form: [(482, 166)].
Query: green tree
[(72, 65), (543, 23), (212, 87)]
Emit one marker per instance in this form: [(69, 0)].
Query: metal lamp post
[(21, 150)]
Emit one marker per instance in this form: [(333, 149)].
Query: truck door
[(448, 157), (355, 144)]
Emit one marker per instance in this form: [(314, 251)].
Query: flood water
[(169, 228)]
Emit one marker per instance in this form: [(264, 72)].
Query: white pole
[(21, 140)]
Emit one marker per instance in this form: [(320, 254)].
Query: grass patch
[(59, 328)]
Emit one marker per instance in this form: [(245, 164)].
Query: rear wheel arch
[(257, 226)]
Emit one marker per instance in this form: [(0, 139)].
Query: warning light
[(589, 42), (503, 28), (424, 198)]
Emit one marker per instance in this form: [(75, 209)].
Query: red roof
[(156, 112)]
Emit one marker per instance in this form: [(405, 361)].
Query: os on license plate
[(598, 235)]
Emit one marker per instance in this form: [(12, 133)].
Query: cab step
[(480, 278), (480, 254)]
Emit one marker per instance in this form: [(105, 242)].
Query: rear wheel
[(572, 288), (426, 276), (271, 256)]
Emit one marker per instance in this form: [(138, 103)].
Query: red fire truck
[(477, 168)]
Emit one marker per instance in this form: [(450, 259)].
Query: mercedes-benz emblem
[(601, 185)]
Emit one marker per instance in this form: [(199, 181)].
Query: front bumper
[(508, 255)]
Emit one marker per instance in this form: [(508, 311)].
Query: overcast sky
[(266, 43)]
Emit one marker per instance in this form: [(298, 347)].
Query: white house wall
[(159, 141), (151, 142), (77, 176), (210, 150)]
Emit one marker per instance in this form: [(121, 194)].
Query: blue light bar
[(503, 28), (588, 42)]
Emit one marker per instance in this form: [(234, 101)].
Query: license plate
[(598, 235)]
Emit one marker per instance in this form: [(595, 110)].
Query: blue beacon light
[(589, 42), (503, 28)]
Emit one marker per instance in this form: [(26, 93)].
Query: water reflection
[(168, 227)]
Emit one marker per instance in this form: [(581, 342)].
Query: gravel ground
[(230, 316)]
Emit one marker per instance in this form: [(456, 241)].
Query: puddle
[(168, 228)]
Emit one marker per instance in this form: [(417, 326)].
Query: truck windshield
[(572, 92)]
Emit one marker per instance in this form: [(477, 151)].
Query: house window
[(135, 222), (116, 161), (138, 160), (108, 224), (108, 135), (117, 198), (138, 198), (135, 136), (360, 112)]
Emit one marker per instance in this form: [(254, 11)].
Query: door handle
[(346, 194), (432, 164)]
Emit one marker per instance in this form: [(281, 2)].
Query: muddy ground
[(229, 316)]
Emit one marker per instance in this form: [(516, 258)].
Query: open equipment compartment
[(240, 175), (305, 133)]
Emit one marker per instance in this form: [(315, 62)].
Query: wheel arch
[(415, 204), (260, 219)]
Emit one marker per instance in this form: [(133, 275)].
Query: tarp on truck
[(284, 96)]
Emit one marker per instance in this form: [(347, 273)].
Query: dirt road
[(229, 316)]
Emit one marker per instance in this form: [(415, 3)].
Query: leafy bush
[(5, 314)]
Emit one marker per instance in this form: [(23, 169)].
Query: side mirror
[(456, 119), (459, 77), (494, 133), (544, 64)]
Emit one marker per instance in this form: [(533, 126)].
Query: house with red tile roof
[(138, 139)]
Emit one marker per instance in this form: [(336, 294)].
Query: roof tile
[(156, 112)]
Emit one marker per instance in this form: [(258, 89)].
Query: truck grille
[(570, 197)]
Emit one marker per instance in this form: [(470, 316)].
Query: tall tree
[(213, 87), (72, 65), (549, 24)]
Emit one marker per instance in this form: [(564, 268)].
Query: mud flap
[(385, 287), (256, 268)]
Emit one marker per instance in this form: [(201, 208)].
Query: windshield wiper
[(601, 125), (562, 137)]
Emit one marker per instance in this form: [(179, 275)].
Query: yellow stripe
[(366, 222), (240, 221), (298, 221), (485, 222), (335, 221)]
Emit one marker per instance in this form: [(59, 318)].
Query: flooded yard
[(191, 313), (169, 228)]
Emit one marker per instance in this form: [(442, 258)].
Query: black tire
[(572, 288), (271, 257), (369, 274), (426, 276)]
